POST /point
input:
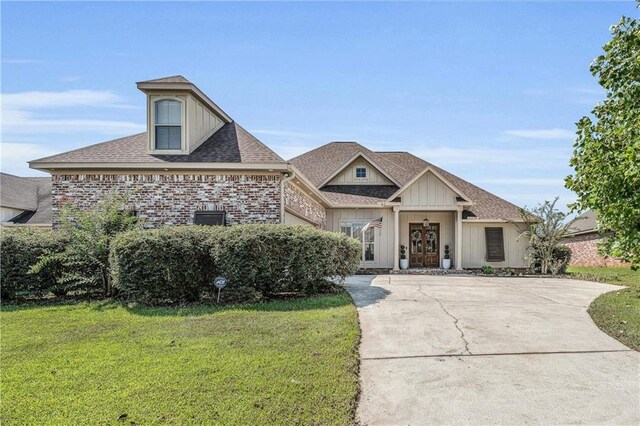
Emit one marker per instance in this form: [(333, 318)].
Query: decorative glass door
[(424, 245)]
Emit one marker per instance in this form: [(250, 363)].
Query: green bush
[(560, 258), (488, 270), (277, 258), (170, 264), (22, 248)]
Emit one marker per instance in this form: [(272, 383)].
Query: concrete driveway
[(481, 350)]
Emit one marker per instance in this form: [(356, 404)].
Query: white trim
[(425, 208), (151, 111), (439, 176), (351, 160)]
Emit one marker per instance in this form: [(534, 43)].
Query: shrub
[(560, 258), (277, 258), (487, 269), (89, 233), (170, 264), (21, 249)]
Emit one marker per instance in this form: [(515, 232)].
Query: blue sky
[(488, 91)]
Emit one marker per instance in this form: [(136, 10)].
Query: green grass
[(286, 362), (616, 313)]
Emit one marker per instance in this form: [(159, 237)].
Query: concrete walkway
[(481, 350)]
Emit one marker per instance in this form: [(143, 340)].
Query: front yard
[(285, 362), (616, 313)]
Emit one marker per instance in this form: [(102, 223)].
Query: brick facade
[(303, 205), (584, 251), (172, 199)]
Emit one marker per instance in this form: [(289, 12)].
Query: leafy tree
[(89, 233), (544, 228), (606, 155)]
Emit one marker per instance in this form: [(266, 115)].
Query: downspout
[(291, 174)]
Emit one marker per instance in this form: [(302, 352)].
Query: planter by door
[(404, 263), (424, 245)]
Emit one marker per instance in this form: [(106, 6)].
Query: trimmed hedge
[(166, 264), (21, 249), (179, 263), (277, 258)]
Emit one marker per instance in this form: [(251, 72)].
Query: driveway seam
[(455, 320), (382, 358)]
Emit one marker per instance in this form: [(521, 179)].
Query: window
[(354, 230), (210, 218), (361, 172), (168, 124), (495, 244)]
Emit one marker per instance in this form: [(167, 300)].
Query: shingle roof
[(584, 223), (31, 194), (171, 79), (319, 164), (230, 144), (358, 194)]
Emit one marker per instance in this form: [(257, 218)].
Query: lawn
[(616, 313), (285, 362)]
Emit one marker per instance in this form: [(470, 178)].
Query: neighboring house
[(196, 165), (25, 201), (583, 239)]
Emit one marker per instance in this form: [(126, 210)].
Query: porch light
[(425, 222)]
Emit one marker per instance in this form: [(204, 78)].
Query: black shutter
[(495, 244), (210, 218)]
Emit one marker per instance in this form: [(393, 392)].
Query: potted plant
[(446, 262), (404, 262)]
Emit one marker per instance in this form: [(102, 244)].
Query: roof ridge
[(236, 125)]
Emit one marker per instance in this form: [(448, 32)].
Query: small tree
[(85, 258), (544, 228)]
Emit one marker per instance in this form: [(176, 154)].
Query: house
[(583, 239), (195, 164), (25, 201)]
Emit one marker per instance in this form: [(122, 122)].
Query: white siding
[(348, 175), (202, 123), (447, 229), (429, 192), (7, 213), (474, 247), (383, 254)]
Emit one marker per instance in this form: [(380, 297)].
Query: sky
[(489, 91)]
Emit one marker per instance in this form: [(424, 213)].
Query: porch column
[(396, 238), (459, 239)]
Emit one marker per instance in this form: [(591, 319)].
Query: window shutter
[(210, 218), (495, 244)]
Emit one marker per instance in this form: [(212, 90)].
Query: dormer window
[(361, 172), (168, 124)]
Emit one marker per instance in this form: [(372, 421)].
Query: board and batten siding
[(202, 123), (447, 230), (429, 192), (348, 175), (474, 249), (383, 251)]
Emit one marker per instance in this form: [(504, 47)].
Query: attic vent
[(210, 218), (495, 244)]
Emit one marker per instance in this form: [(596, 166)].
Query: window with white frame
[(168, 124), (361, 172), (367, 239)]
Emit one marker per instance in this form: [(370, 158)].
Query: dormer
[(179, 116)]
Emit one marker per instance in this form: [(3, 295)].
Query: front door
[(424, 245)]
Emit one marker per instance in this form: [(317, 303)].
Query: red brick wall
[(584, 251), (171, 199), (304, 205)]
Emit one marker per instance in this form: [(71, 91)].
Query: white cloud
[(20, 113), (541, 133), (14, 157)]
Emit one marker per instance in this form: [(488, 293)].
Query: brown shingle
[(230, 144)]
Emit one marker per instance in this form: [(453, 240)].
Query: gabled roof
[(328, 159), (358, 194), (230, 144), (31, 194)]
